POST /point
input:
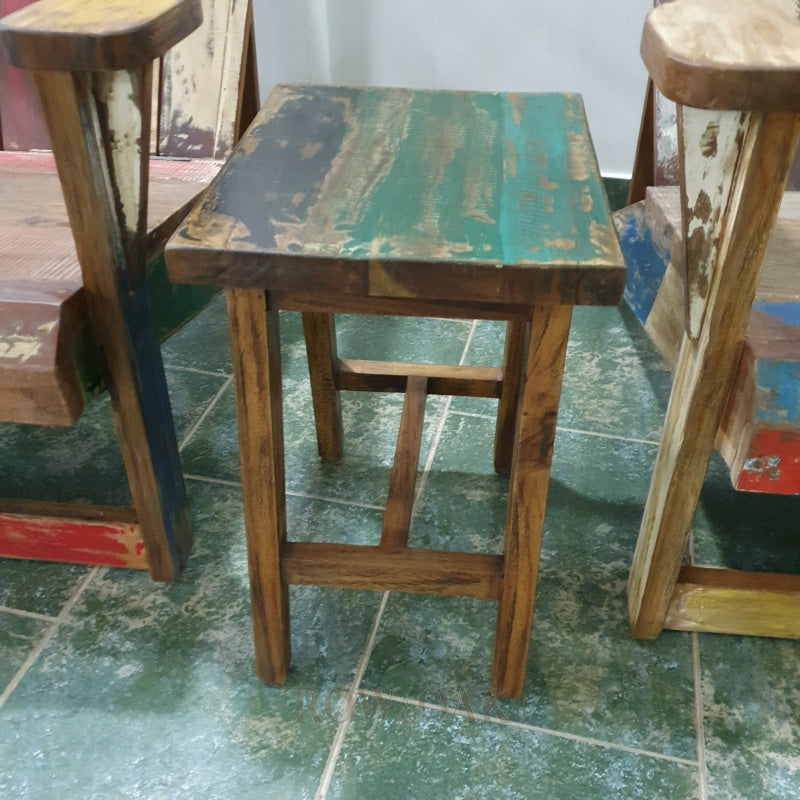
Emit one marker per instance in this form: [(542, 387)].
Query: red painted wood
[(112, 544), (773, 463), (22, 126)]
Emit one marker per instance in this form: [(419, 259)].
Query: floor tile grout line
[(208, 409), (191, 476), (209, 372), (580, 431), (47, 636), (687, 762), (18, 612), (699, 725), (335, 500), (341, 731), (289, 493)]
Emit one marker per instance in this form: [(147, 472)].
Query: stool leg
[(320, 335), (255, 345), (516, 341), (527, 494)]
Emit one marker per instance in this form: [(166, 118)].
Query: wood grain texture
[(391, 376), (740, 55), (46, 355), (402, 194), (403, 480), (510, 388), (527, 495), (401, 570), (644, 162), (63, 35), (255, 350), (320, 335), (742, 603), (706, 370)]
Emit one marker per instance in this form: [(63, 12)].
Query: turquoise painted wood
[(382, 177)]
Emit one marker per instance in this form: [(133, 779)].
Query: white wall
[(589, 46)]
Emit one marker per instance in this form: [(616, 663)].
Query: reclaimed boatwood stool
[(84, 299), (410, 203), (733, 68)]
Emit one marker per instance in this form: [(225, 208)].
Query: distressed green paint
[(441, 193), (396, 174), (475, 177), (553, 194)]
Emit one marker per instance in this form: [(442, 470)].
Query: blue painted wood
[(646, 261)]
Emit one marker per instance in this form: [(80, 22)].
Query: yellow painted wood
[(744, 603)]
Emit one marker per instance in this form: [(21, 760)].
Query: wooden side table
[(411, 203)]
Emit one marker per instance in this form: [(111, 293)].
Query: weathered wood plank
[(709, 143), (353, 304), (403, 570), (743, 603), (99, 535), (759, 435), (387, 376), (403, 480), (351, 168), (202, 83)]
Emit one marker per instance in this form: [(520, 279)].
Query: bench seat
[(48, 365)]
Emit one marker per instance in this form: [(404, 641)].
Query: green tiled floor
[(114, 687)]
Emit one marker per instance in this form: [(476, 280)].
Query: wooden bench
[(727, 326), (83, 305)]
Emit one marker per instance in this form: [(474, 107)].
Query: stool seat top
[(409, 193), (740, 55)]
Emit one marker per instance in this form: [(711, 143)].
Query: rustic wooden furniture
[(759, 435), (734, 71), (83, 290), (410, 203)]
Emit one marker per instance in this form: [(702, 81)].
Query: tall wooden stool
[(734, 71), (411, 203)]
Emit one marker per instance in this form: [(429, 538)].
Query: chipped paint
[(310, 149), (579, 156), (20, 348), (561, 244), (710, 142)]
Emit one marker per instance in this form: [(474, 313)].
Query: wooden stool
[(734, 71), (412, 203)]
